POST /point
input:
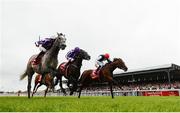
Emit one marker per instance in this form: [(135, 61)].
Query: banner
[(161, 93)]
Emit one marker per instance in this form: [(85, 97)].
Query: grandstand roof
[(159, 68)]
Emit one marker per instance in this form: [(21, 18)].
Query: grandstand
[(163, 73), (168, 74)]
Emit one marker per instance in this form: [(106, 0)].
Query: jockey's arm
[(108, 60), (99, 57)]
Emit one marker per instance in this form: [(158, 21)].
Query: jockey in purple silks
[(44, 45), (71, 55)]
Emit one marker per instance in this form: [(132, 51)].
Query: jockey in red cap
[(100, 61)]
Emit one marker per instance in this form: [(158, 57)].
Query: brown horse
[(105, 74), (72, 71), (48, 81), (48, 62)]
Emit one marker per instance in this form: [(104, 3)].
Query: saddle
[(63, 67)]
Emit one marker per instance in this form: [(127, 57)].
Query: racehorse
[(48, 81), (72, 71), (105, 75), (48, 62)]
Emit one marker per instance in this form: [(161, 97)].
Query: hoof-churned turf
[(90, 104)]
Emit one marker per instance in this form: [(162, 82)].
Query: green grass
[(89, 104)]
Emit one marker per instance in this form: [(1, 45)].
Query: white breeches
[(98, 63), (42, 48), (70, 59)]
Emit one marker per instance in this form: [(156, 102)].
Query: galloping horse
[(48, 62), (105, 74), (48, 81), (72, 71)]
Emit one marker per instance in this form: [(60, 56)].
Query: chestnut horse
[(72, 71), (48, 81), (48, 62), (105, 74)]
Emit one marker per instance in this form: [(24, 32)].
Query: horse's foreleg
[(34, 89), (52, 85), (81, 87), (110, 85), (29, 85), (37, 87), (56, 82), (46, 91), (60, 85), (81, 84)]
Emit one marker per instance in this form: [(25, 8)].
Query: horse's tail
[(23, 75)]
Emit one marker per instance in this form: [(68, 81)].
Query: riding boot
[(97, 70)]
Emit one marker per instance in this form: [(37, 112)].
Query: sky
[(143, 33)]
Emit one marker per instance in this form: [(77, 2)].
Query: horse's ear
[(115, 59)]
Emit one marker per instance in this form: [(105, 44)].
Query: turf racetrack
[(89, 104)]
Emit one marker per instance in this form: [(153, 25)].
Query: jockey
[(100, 61), (44, 45), (71, 55)]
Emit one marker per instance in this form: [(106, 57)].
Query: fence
[(165, 92)]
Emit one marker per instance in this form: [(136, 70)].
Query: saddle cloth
[(95, 75)]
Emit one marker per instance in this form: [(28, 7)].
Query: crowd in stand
[(137, 86)]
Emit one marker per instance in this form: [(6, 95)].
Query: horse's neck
[(111, 66), (53, 51), (78, 62)]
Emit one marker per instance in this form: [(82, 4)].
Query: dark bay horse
[(48, 81), (105, 74), (48, 62), (72, 71)]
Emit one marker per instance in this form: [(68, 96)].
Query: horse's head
[(83, 55), (120, 64), (61, 40)]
